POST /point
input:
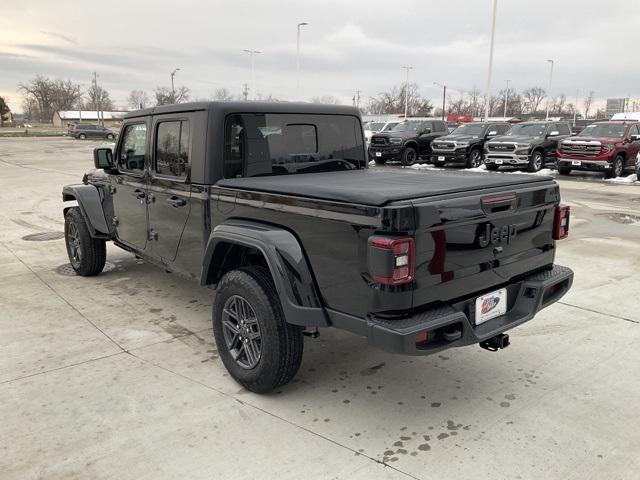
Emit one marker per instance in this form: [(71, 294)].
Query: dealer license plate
[(441, 159), (498, 162), (491, 305), (577, 163), (378, 154)]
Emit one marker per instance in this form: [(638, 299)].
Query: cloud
[(60, 36)]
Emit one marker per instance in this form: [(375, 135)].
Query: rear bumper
[(454, 324)]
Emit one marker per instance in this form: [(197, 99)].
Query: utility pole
[(253, 85), (506, 97), (406, 91), (245, 91), (487, 94), (444, 96), (549, 92), (575, 108), (173, 88), (301, 24), (357, 99), (96, 98)]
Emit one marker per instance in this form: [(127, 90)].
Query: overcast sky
[(349, 45)]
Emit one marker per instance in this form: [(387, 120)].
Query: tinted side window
[(502, 129), (172, 148), (134, 147), (563, 128)]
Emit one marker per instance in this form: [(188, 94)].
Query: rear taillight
[(561, 222), (391, 260)]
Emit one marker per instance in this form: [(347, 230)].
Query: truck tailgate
[(470, 243)]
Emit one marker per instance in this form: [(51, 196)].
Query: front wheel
[(87, 255), (617, 169), (475, 158), (536, 162), (260, 350), (409, 156)]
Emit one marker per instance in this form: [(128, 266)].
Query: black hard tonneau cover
[(378, 187)]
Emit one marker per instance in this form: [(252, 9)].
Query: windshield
[(409, 126), (276, 144), (603, 130), (530, 130), (390, 126), (469, 129), (374, 126)]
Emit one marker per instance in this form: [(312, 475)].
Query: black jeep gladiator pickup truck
[(408, 142), (274, 206), (465, 145), (528, 145)]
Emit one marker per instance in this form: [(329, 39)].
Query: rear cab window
[(281, 144)]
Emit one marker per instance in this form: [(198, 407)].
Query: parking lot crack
[(631, 320)]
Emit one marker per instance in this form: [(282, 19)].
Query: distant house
[(64, 118)]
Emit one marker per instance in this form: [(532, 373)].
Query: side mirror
[(492, 133), (555, 133), (103, 158)]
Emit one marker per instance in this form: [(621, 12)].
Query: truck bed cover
[(378, 187)]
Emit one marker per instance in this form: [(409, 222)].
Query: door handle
[(139, 194), (176, 202)]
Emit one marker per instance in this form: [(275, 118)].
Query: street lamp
[(406, 90), (549, 91), (575, 107), (444, 96), (493, 32), (173, 90), (301, 24), (251, 52), (506, 97)]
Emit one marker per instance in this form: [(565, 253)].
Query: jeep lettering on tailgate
[(496, 234)]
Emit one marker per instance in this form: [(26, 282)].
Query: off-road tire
[(536, 162), (82, 136), (492, 167), (474, 159), (379, 161), (617, 168), (409, 156), (92, 251), (281, 343)]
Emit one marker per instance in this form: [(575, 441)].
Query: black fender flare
[(294, 282), (90, 203)]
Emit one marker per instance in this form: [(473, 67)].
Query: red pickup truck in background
[(610, 147)]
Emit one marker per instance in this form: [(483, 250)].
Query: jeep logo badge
[(496, 234)]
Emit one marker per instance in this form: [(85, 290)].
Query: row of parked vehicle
[(611, 147)]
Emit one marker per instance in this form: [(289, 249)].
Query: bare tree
[(533, 97), (587, 104), (223, 95), (137, 99), (393, 101), (165, 96), (30, 108), (4, 109), (98, 99)]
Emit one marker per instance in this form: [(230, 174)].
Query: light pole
[(253, 86), (575, 108), (549, 91), (301, 24), (506, 97), (406, 91), (444, 96), (173, 90), (493, 34)]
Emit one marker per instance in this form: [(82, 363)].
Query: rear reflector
[(561, 222), (392, 260), (422, 338)]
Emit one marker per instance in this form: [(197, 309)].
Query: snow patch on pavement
[(627, 180)]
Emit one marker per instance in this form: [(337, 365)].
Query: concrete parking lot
[(117, 376)]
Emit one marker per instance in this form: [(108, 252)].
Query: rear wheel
[(82, 136), (409, 156), (617, 169), (536, 161), (87, 255), (258, 347), (475, 158)]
